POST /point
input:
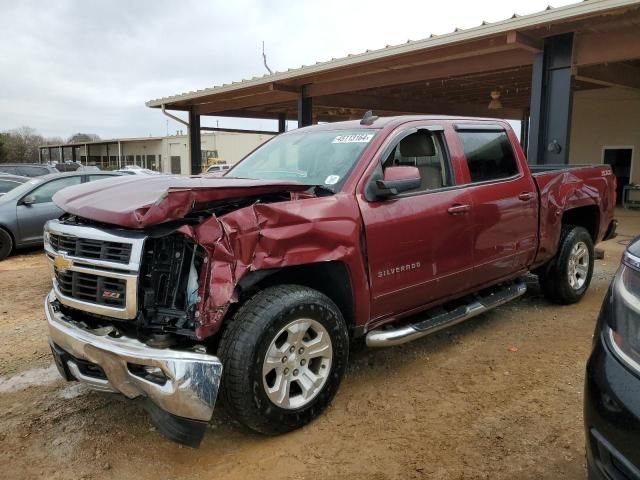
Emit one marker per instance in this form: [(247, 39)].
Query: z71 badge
[(110, 294)]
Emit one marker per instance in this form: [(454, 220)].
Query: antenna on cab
[(368, 118)]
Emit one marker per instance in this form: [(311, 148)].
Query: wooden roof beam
[(236, 94), (281, 87), (501, 43), (255, 114), (598, 48), (526, 43), (267, 98), (612, 75), (375, 102), (481, 63)]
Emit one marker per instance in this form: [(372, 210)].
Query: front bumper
[(187, 386)]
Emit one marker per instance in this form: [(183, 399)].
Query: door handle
[(458, 209), (525, 196)]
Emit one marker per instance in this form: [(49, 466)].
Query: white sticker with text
[(354, 138), (332, 179)]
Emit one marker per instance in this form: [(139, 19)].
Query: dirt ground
[(497, 397)]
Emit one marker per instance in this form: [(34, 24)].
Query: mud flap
[(611, 231), (181, 430)]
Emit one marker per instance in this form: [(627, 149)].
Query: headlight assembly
[(624, 322)]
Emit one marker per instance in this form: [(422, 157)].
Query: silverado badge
[(398, 269)]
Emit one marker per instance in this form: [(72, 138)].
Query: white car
[(217, 168), (130, 170)]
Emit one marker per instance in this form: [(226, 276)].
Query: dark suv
[(612, 386), (27, 169)]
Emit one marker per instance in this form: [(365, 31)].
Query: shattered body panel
[(134, 202), (304, 230), (263, 236), (561, 191)]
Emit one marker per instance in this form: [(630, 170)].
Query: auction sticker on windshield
[(332, 179), (356, 138)]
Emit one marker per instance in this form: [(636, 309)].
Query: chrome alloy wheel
[(578, 267), (297, 363)]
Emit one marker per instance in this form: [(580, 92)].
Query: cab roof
[(392, 122)]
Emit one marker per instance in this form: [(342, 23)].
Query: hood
[(138, 202)]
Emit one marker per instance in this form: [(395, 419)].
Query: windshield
[(21, 190), (314, 158)]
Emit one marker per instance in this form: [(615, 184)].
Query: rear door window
[(9, 169), (32, 171), (6, 185), (44, 193), (93, 178), (489, 154)]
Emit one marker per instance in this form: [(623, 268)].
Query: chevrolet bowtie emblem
[(62, 264)]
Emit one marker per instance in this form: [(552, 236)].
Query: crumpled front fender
[(265, 236)]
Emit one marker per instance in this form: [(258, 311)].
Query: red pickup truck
[(254, 283)]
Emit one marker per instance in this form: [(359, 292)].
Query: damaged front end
[(144, 282), (141, 288), (180, 386), (122, 316), (169, 279)]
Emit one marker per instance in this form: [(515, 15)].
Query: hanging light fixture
[(495, 103)]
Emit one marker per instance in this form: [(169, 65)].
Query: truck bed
[(588, 188), (554, 167)]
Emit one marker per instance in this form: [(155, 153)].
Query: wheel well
[(587, 217), (10, 233), (330, 278)]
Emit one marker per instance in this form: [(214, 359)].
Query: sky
[(90, 65)]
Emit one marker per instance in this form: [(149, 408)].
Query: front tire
[(6, 244), (284, 355), (566, 278)]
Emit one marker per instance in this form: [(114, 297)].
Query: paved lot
[(497, 397)]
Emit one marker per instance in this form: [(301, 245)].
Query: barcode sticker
[(355, 138)]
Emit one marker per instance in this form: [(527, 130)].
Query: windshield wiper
[(321, 191)]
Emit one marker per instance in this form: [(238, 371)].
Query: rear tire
[(6, 244), (283, 355), (566, 278)]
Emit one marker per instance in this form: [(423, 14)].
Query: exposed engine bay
[(169, 284), (170, 273)]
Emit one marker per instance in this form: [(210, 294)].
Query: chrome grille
[(91, 249), (91, 288), (95, 269)]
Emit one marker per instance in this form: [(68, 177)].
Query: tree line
[(20, 145)]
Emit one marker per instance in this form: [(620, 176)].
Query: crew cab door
[(419, 243), (504, 212)]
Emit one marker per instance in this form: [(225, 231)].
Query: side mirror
[(29, 200), (397, 180)]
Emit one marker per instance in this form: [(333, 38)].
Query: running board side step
[(480, 303)]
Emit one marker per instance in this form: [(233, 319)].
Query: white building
[(168, 154), (605, 129)]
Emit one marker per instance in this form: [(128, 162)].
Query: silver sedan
[(25, 209), (9, 182)]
